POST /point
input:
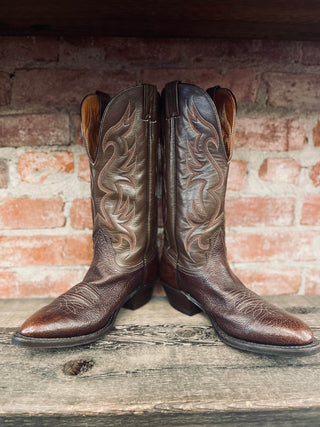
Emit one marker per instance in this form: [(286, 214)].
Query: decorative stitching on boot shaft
[(199, 216), (121, 165)]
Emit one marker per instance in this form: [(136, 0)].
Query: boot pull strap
[(104, 100), (150, 100), (172, 99), (226, 105), (212, 91)]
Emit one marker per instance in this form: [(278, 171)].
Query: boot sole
[(185, 303), (135, 300)]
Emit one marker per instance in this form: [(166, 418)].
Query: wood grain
[(157, 366)]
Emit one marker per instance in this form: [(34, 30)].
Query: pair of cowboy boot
[(121, 138)]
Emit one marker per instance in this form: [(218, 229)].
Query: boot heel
[(181, 302), (140, 298)]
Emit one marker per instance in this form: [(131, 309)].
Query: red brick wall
[(273, 200)]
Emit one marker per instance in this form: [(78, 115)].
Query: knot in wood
[(77, 367)]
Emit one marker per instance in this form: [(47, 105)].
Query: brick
[(270, 134), (297, 137), (84, 52), (160, 242), (84, 168), (80, 214), (293, 90), (316, 135), (26, 213), (160, 212), (143, 50), (270, 282), (237, 175), (97, 52), (243, 82), (81, 52), (253, 211), (312, 282), (34, 130), (158, 289), (4, 174), (209, 51), (280, 170), (276, 246), (315, 174), (66, 87), (8, 284), (76, 126), (45, 250), (5, 89), (311, 210), (35, 167), (19, 52), (311, 53), (46, 283)]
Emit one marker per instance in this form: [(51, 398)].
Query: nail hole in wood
[(186, 333), (77, 367)]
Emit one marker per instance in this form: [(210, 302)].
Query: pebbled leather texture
[(198, 134), (121, 138)]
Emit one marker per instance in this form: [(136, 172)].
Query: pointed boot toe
[(280, 329), (298, 333), (76, 317), (38, 325), (45, 326)]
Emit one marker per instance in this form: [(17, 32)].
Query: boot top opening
[(226, 105), (92, 109)]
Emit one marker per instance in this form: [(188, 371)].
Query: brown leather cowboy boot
[(198, 132), (120, 136)]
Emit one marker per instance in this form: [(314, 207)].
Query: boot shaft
[(121, 137), (197, 147)]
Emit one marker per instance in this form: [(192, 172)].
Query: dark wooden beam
[(295, 20)]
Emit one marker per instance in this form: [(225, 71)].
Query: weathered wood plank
[(157, 366)]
